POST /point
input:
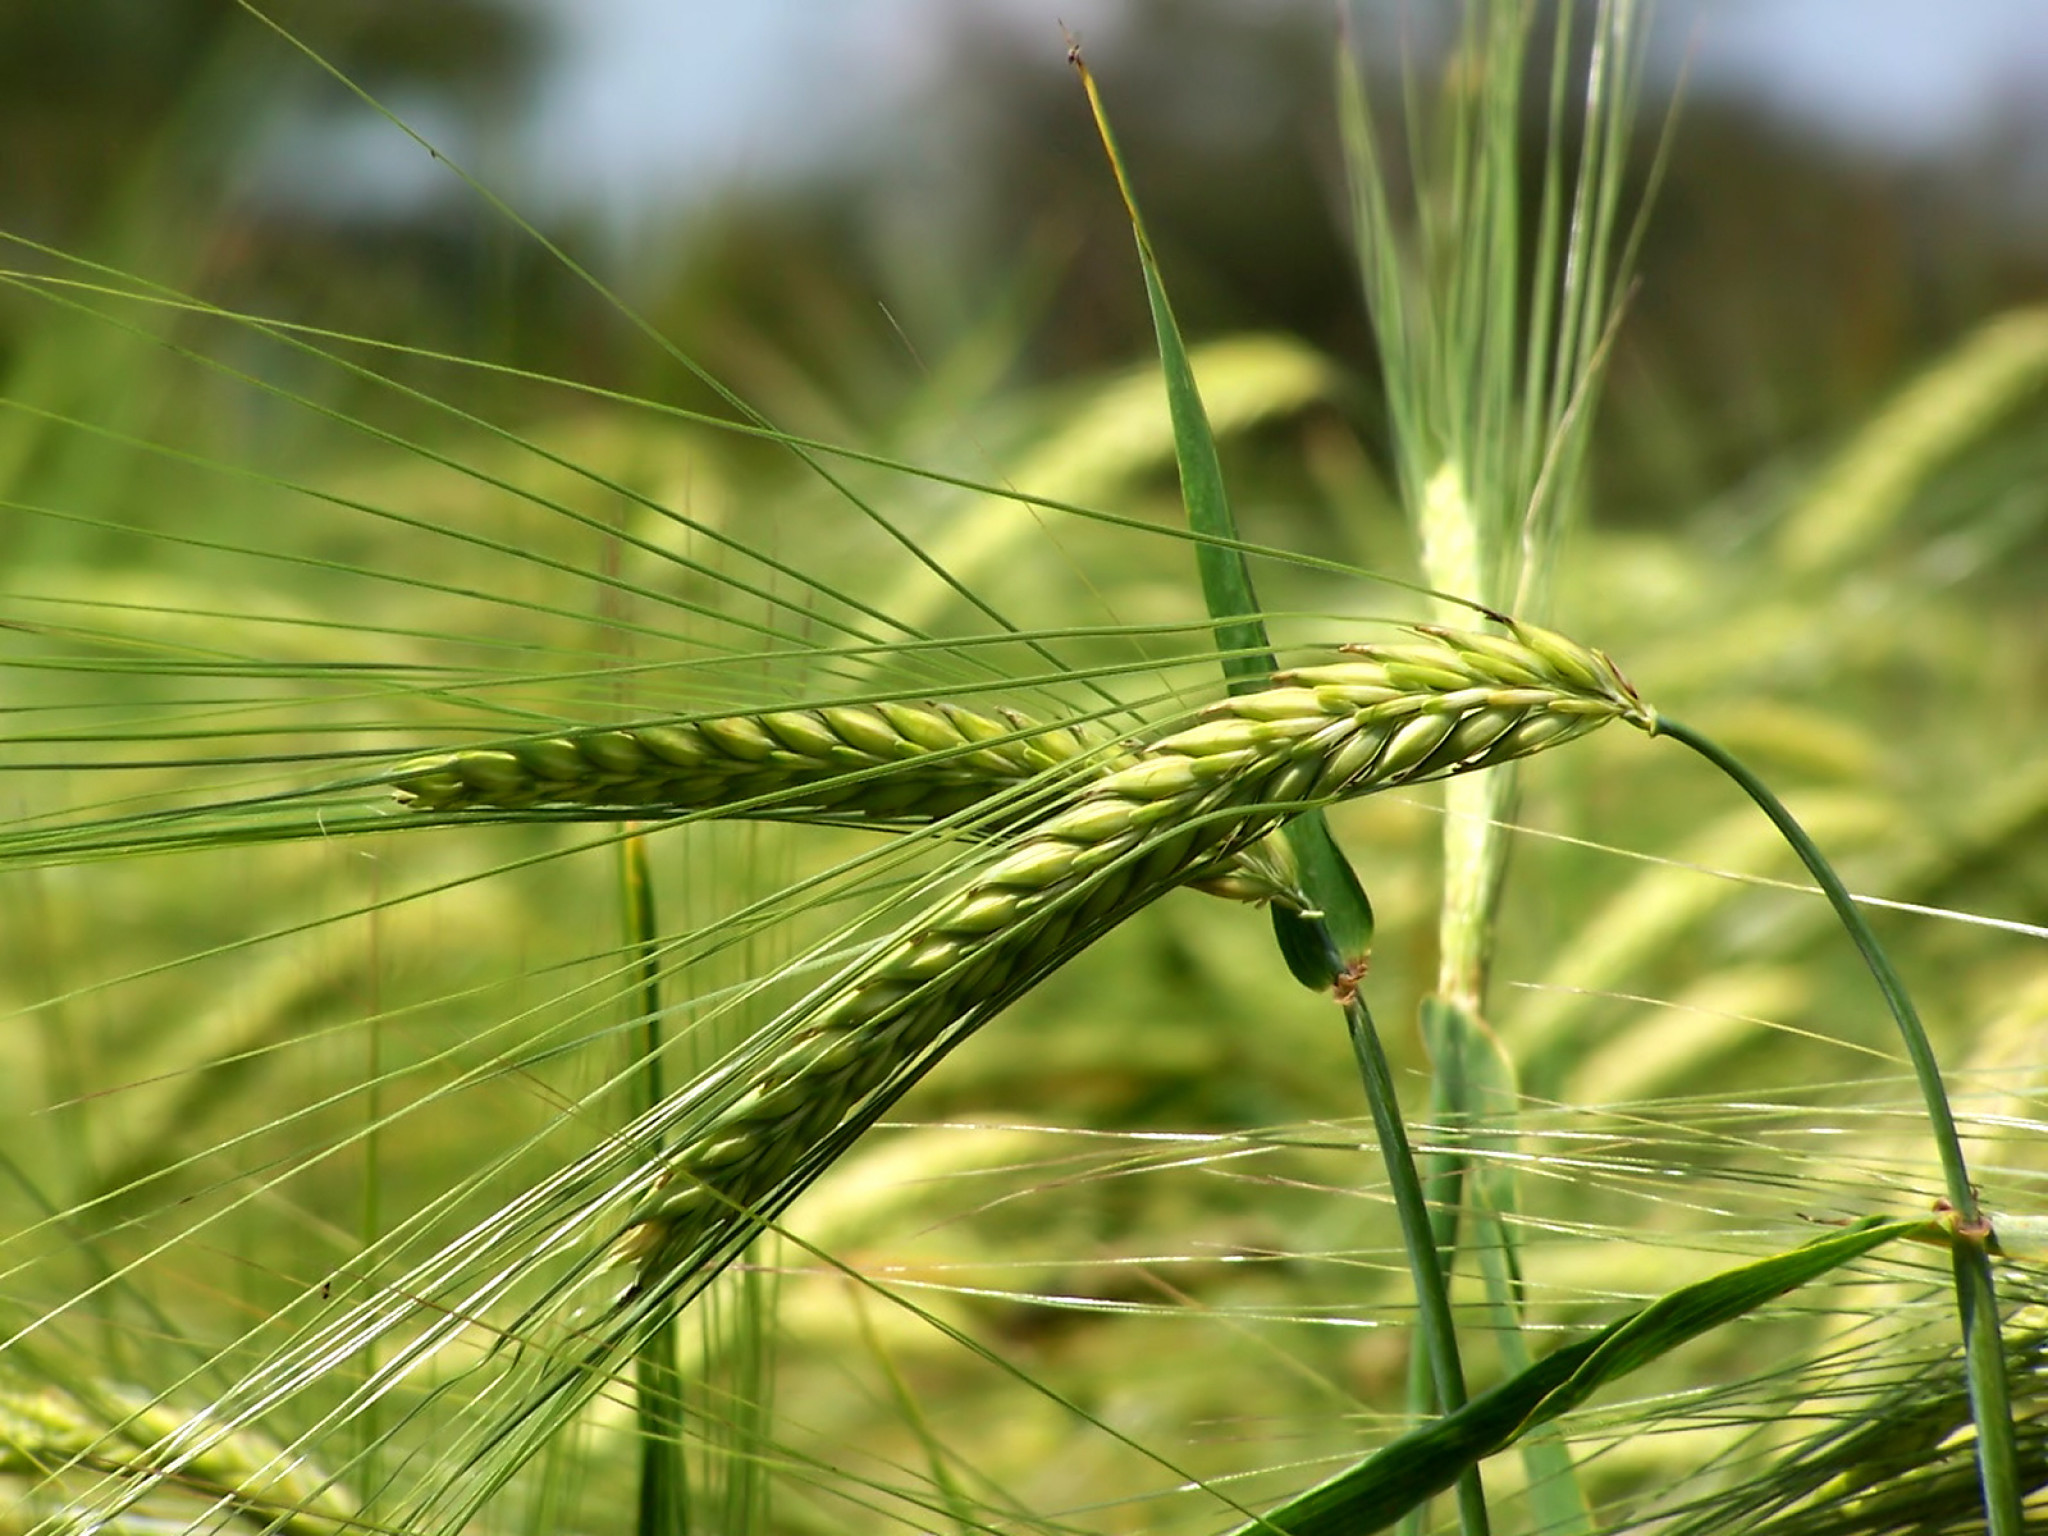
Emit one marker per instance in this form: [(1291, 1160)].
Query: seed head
[(1190, 808)]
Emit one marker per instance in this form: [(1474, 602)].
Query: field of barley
[(1269, 776)]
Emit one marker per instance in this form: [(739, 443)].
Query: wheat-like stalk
[(1181, 807), (884, 764)]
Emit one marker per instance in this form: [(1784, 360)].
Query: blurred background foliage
[(1791, 277), (1819, 522)]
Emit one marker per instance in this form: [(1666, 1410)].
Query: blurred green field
[(288, 502)]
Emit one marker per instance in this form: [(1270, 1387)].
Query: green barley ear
[(1452, 702), (882, 765), (91, 1425), (1931, 421), (887, 763)]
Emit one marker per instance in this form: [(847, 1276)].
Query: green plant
[(544, 1126)]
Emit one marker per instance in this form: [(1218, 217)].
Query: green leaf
[(1305, 946), (1394, 1479), (1332, 886)]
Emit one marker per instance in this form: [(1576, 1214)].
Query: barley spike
[(882, 764), (694, 1179), (1179, 810), (102, 1427)]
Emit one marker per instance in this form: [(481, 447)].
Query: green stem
[(1442, 1184), (1419, 1237), (636, 887), (1998, 1467), (1926, 1069), (1976, 1297), (658, 1386), (664, 1504), (371, 1223)]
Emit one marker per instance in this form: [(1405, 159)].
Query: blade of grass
[(1376, 1492), (1340, 916), (1332, 886)]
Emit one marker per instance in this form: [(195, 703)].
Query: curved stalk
[(1976, 1295)]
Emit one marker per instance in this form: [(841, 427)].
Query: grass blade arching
[(1396, 1478)]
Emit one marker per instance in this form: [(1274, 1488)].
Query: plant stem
[(1443, 1193), (1976, 1296), (1990, 1395), (664, 1504), (636, 889), (1418, 1236), (371, 1223)]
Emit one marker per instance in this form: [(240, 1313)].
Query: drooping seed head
[(1189, 808)]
